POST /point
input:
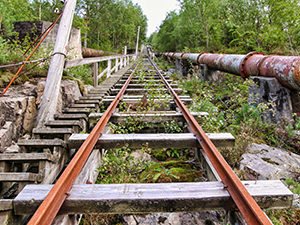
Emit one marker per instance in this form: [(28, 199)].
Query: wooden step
[(76, 125), (77, 110), (91, 98), (163, 102), (133, 86), (141, 96), (142, 90), (153, 197), (41, 143), (85, 105), (98, 94), (69, 116), (49, 133), (135, 81), (160, 140), (52, 131), (20, 177), (27, 157), (157, 117), (87, 101)]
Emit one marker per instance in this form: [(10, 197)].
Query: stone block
[(268, 163), (206, 74), (29, 115), (33, 29), (70, 92), (6, 135), (268, 91)]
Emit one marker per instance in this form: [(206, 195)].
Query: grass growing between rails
[(144, 164)]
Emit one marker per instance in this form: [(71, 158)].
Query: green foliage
[(119, 167), (290, 215), (170, 171), (231, 26), (105, 24), (293, 186), (227, 103), (110, 25), (83, 73)]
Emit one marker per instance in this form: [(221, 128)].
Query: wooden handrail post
[(121, 62), (108, 68), (50, 97), (95, 70), (117, 64), (125, 55), (137, 42)]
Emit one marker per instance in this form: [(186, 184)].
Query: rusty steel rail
[(248, 207), (285, 68), (49, 208)]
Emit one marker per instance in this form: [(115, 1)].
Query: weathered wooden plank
[(41, 143), (6, 204), (58, 131), (27, 157), (157, 117), (49, 101), (161, 102), (24, 177), (141, 96), (150, 198), (64, 123), (143, 85), (78, 62), (181, 140)]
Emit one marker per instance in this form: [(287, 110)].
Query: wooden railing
[(120, 62)]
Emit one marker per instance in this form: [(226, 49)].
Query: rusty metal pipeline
[(285, 68), (89, 52)]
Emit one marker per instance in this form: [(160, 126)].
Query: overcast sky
[(156, 11)]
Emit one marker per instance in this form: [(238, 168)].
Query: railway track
[(143, 93)]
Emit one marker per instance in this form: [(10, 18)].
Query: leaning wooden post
[(95, 70), (52, 87), (108, 68)]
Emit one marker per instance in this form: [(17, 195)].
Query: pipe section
[(89, 52), (285, 68)]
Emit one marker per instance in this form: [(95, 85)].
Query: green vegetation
[(105, 24), (227, 102), (289, 216), (239, 26)]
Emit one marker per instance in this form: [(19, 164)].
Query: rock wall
[(33, 29), (18, 109), (269, 91)]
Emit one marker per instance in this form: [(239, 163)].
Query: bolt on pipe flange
[(243, 70)]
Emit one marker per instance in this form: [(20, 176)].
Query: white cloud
[(156, 11)]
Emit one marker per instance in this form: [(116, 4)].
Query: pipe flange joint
[(183, 54), (198, 57), (243, 70), (174, 54)]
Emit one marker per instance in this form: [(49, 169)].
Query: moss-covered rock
[(171, 171), (159, 154)]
